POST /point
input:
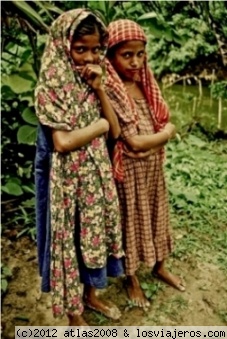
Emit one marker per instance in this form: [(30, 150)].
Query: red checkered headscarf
[(120, 31)]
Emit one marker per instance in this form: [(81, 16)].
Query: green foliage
[(22, 47), (5, 276), (26, 135), (30, 14), (193, 42), (26, 217), (29, 116), (18, 132), (219, 90), (105, 9), (12, 187), (173, 307), (150, 289), (223, 315), (197, 176), (24, 8)]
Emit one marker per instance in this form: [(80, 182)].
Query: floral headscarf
[(120, 31), (53, 95)]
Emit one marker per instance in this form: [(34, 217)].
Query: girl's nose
[(89, 58), (134, 62)]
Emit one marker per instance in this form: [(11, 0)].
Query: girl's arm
[(67, 141), (93, 75), (142, 143), (109, 113)]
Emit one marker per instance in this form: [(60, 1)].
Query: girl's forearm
[(109, 113), (147, 142), (67, 141)]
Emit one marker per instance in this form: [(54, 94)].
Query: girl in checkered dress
[(138, 156)]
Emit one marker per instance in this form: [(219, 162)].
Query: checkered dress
[(144, 203), (120, 31)]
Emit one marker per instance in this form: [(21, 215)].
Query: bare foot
[(135, 292), (169, 278), (76, 320), (106, 308)]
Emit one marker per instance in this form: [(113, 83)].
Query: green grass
[(196, 171), (173, 308)]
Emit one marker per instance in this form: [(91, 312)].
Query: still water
[(187, 104)]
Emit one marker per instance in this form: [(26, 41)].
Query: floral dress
[(80, 180)]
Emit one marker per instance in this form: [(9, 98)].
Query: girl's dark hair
[(111, 51), (88, 26)]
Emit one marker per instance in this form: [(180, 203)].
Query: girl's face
[(86, 50), (128, 59)]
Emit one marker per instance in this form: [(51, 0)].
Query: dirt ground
[(203, 303)]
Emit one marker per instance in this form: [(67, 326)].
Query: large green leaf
[(156, 28), (47, 6), (30, 13), (15, 180), (41, 4), (26, 135), (4, 285), (17, 84), (12, 189), (26, 71), (6, 271), (7, 93), (28, 189), (29, 116), (146, 16)]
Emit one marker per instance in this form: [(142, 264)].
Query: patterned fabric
[(123, 30), (80, 181), (120, 31), (144, 204)]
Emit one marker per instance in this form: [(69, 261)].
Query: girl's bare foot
[(135, 292), (106, 308), (76, 320), (161, 273)]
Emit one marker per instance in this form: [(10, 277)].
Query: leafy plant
[(173, 307), (6, 274), (219, 90), (197, 175), (150, 289)]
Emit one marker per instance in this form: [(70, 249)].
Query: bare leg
[(93, 302), (76, 320), (163, 274), (135, 292)]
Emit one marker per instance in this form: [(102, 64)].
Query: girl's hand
[(138, 155), (170, 129), (93, 75), (104, 125)]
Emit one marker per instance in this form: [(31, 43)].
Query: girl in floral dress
[(85, 227), (138, 156)]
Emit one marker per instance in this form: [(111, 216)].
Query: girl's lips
[(133, 70)]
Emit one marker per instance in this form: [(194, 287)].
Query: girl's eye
[(126, 55), (140, 54), (96, 50), (79, 50)]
